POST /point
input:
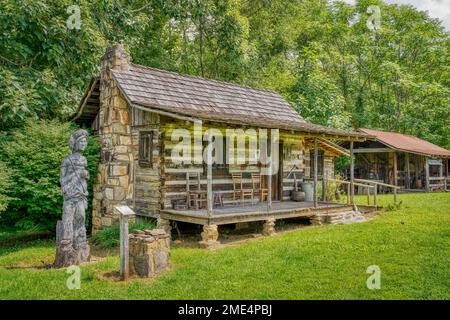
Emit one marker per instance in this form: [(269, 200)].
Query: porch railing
[(368, 185)]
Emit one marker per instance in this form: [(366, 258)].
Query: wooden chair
[(258, 187), (195, 198), (238, 188)]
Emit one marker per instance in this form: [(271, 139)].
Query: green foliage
[(318, 54), (393, 206), (5, 186), (341, 163), (34, 154), (109, 237), (333, 187), (92, 154)]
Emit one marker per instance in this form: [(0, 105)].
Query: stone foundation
[(337, 218), (269, 227), (209, 236), (149, 252)]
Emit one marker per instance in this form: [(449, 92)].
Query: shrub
[(109, 237), (5, 186), (393, 206), (34, 153)]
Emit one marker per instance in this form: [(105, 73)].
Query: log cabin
[(143, 115), (402, 160)]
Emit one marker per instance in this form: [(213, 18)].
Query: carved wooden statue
[(72, 246)]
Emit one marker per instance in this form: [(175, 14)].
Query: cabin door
[(277, 181)]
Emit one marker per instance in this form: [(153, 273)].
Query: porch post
[(408, 174), (188, 196), (209, 200), (352, 174), (395, 168), (269, 186), (316, 160), (427, 175), (445, 161)]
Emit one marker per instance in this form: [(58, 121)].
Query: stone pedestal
[(149, 253), (209, 236), (269, 227), (317, 220), (165, 225)]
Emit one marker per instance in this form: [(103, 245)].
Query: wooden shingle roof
[(213, 100), (202, 98)]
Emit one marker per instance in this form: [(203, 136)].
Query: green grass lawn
[(411, 246)]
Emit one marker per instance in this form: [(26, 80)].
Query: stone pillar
[(316, 220), (209, 236), (149, 253), (269, 227), (114, 181)]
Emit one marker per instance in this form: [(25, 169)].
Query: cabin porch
[(248, 212), (323, 212)]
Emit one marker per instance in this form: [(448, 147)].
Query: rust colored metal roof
[(407, 143)]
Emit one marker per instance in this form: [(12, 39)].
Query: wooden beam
[(316, 160), (187, 191), (416, 169), (394, 168), (375, 197), (269, 185), (408, 173), (209, 199), (373, 150), (352, 174), (427, 175)]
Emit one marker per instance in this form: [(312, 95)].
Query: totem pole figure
[(72, 246)]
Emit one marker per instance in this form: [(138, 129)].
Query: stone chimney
[(116, 58), (113, 185)]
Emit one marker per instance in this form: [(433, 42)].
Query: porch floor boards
[(258, 212)]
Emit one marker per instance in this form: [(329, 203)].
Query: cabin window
[(145, 148), (320, 159)]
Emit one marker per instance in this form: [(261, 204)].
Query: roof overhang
[(89, 105), (329, 146)]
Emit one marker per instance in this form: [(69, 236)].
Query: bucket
[(307, 188), (298, 196)]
